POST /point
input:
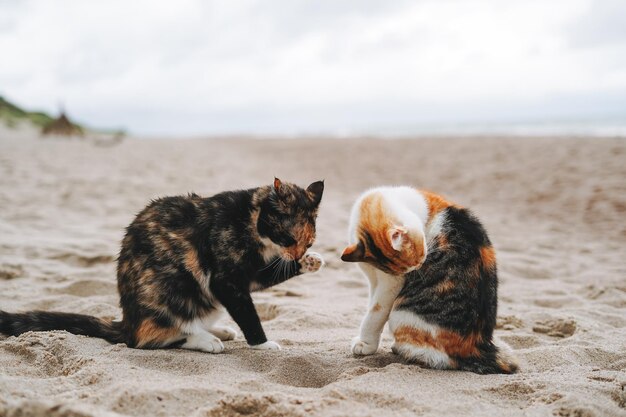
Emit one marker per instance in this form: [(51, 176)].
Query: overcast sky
[(290, 66)]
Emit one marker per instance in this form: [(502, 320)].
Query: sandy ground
[(555, 209)]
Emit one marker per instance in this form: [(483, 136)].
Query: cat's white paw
[(224, 332), (204, 342), (311, 262), (360, 347), (269, 345)]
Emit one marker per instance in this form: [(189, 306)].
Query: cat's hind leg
[(197, 338), (223, 333), (204, 342), (209, 323), (419, 341), (150, 335)]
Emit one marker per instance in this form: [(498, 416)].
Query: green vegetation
[(12, 115)]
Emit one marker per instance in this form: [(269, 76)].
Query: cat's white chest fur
[(270, 249)]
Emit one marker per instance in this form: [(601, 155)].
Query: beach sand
[(555, 209)]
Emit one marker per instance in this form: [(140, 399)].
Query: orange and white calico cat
[(432, 275)]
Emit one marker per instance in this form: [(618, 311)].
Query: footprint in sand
[(509, 323), (265, 405), (573, 412), (305, 371), (284, 293), (555, 302), (87, 288), (267, 311), (530, 272), (515, 391), (83, 260), (555, 327), (50, 354), (620, 395), (8, 271)]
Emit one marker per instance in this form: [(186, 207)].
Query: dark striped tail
[(14, 324)]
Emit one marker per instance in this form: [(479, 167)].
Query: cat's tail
[(14, 324), (499, 359)]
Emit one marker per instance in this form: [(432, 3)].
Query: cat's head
[(384, 243), (287, 217)]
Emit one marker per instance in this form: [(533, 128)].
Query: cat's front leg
[(237, 300), (279, 270), (382, 297)]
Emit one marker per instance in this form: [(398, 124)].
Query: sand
[(554, 207)]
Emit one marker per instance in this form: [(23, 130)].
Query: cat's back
[(160, 229), (172, 212)]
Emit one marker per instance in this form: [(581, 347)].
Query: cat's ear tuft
[(316, 190), (353, 253), (397, 236)]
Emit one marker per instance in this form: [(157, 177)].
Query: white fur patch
[(192, 327), (269, 345), (435, 225), (270, 249), (428, 356), (400, 318)]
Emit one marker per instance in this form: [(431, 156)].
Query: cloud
[(268, 66)]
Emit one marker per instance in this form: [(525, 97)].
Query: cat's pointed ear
[(397, 235), (316, 190), (353, 253), (277, 184)]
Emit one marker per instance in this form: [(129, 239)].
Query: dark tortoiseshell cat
[(432, 274), (182, 258)]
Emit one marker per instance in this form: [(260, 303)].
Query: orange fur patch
[(376, 220), (504, 366), (377, 307), (193, 264), (507, 367), (488, 257), (417, 337), (435, 202), (444, 286), (446, 341), (149, 333), (304, 235), (457, 345)]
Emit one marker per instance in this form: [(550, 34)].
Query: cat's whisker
[(271, 264)]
